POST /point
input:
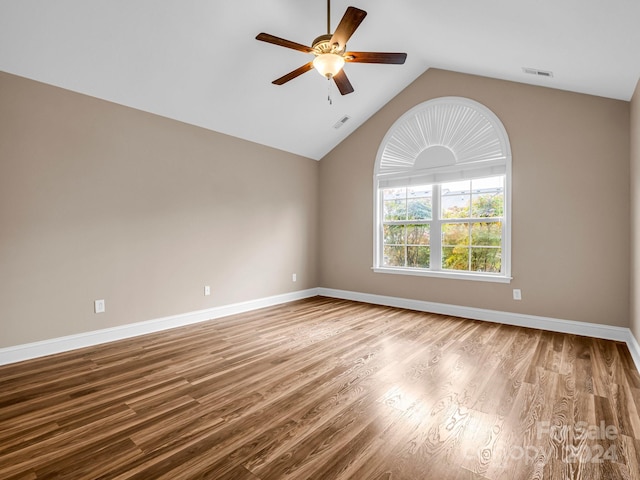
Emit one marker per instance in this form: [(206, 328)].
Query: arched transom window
[(442, 183)]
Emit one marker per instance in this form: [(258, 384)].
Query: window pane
[(419, 208), (419, 203), (394, 234), (487, 197), (456, 198), (394, 193), (486, 233), (418, 234), (456, 187), (394, 256), (419, 191), (455, 234), (492, 183), (486, 259), (418, 257), (395, 210), (455, 258)]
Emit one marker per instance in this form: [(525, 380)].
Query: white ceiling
[(198, 61)]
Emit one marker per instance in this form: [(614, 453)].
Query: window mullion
[(470, 249), (435, 230), (379, 222)]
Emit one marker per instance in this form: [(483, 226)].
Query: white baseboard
[(81, 340), (87, 339), (634, 348), (606, 332)]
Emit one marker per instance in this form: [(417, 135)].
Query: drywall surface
[(570, 207), (100, 201), (635, 214)]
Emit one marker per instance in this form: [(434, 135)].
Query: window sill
[(478, 277)]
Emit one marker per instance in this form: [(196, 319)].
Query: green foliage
[(407, 245), (461, 241), (455, 258), (487, 206), (482, 206), (411, 209), (395, 210), (486, 259), (418, 257), (419, 209)]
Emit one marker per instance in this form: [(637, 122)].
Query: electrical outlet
[(98, 306), (517, 294), (207, 290), (294, 277)]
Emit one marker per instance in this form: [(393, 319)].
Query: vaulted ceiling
[(198, 61)]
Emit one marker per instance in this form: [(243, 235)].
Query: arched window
[(442, 183)]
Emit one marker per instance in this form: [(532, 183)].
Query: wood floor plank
[(326, 389)]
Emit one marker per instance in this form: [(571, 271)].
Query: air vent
[(535, 71), (341, 122)]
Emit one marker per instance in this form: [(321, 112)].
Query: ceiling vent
[(535, 71), (341, 122)]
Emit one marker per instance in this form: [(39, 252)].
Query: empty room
[(319, 240)]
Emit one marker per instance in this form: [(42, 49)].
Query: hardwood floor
[(326, 389)]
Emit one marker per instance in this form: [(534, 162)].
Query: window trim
[(438, 272), (451, 275)]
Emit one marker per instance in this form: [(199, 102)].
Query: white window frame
[(397, 167)]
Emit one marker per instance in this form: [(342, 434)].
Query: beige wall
[(570, 203), (102, 201), (635, 213)]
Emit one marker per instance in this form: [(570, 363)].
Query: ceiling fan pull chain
[(329, 91)]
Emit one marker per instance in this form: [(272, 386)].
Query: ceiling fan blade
[(352, 18), (343, 83), (265, 37), (375, 57), (291, 75)]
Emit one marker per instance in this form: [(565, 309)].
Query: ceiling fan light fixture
[(330, 51), (328, 64)]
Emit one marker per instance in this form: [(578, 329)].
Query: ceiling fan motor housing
[(322, 44)]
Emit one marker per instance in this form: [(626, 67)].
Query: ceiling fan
[(330, 51)]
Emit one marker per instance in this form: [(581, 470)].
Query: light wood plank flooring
[(326, 389)]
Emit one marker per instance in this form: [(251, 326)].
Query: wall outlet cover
[(99, 306)]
